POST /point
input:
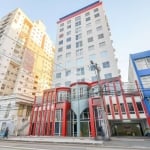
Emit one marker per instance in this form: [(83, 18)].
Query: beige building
[(26, 62)]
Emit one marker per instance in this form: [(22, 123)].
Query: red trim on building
[(111, 107), (135, 107), (119, 108), (92, 119), (117, 100), (124, 100), (79, 12)]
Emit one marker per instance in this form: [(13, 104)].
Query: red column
[(92, 120), (45, 115), (125, 102), (112, 108), (117, 100), (64, 122), (49, 112), (35, 119), (41, 115), (135, 107)]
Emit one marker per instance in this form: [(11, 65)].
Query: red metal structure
[(52, 113)]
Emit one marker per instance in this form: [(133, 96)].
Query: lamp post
[(104, 118), (78, 105)]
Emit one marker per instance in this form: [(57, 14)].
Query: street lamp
[(78, 104), (105, 121)]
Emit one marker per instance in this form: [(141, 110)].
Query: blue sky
[(129, 21)]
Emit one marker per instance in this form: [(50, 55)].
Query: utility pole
[(104, 121)]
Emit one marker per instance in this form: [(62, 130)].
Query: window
[(89, 32), (79, 44), (78, 36), (78, 23), (8, 110), (79, 52), (96, 10), (90, 39), (68, 72), (62, 24), (80, 71), (67, 83), (143, 63), (139, 106), (98, 21), (88, 25), (88, 19), (69, 64), (102, 44), (59, 57), (108, 109), (92, 57), (58, 75), (61, 35), (96, 15), (131, 109), (69, 22), (57, 84), (69, 26), (94, 78), (60, 49), (122, 108), (59, 66), (87, 14), (100, 36), (91, 47), (68, 39), (108, 75), (115, 108), (99, 28), (68, 46), (145, 81), (104, 54), (20, 110), (62, 29), (80, 62), (106, 64), (68, 55), (61, 42), (78, 30), (78, 18), (69, 32)]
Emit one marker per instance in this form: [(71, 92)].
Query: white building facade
[(82, 36), (26, 62)]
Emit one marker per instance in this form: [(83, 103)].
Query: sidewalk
[(72, 140), (54, 139)]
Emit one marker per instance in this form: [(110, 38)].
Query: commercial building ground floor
[(80, 110)]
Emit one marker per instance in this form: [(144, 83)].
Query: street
[(111, 145)]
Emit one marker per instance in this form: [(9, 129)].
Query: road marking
[(22, 148)]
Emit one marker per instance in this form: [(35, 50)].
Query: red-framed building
[(76, 110)]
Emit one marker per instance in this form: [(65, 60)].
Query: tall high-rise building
[(26, 68), (26, 55), (82, 36)]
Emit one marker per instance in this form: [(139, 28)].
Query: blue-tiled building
[(139, 69)]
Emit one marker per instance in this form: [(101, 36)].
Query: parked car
[(147, 132)]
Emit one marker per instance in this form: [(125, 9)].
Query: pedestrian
[(101, 132), (6, 133)]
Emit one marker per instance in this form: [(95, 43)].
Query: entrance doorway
[(127, 129)]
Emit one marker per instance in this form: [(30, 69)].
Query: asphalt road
[(111, 145)]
